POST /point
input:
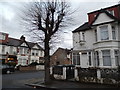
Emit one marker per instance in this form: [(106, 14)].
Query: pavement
[(64, 85)]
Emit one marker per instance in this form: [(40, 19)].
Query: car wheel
[(8, 72)]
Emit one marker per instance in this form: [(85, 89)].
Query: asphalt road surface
[(19, 79)]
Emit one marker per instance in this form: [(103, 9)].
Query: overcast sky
[(9, 22)]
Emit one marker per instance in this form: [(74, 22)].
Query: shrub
[(11, 64)]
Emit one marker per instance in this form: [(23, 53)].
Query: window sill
[(105, 41), (82, 41)]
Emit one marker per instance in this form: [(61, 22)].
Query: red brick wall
[(27, 68), (59, 56), (91, 17)]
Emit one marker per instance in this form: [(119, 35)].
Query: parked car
[(6, 69)]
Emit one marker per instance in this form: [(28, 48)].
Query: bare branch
[(45, 21)]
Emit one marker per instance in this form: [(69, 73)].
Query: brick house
[(61, 57)]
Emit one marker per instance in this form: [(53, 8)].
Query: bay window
[(25, 50), (113, 33), (90, 63), (97, 58), (11, 50), (116, 52), (106, 57), (20, 50), (3, 49)]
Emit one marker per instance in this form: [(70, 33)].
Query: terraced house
[(96, 43), (26, 52)]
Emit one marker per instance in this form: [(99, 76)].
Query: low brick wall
[(27, 68)]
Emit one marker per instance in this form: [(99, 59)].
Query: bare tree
[(46, 20)]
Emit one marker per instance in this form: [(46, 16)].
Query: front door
[(84, 60)]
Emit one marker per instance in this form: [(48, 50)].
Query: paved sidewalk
[(58, 85)]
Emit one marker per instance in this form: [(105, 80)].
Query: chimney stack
[(22, 38)]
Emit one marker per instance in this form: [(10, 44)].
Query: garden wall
[(88, 75)]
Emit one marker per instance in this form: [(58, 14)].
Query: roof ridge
[(58, 49), (104, 8), (13, 38), (20, 40)]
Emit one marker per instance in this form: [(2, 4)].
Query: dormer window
[(111, 12)]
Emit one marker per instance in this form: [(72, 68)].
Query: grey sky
[(10, 22)]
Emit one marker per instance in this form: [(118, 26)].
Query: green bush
[(11, 64)]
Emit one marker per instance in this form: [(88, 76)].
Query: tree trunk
[(47, 60)]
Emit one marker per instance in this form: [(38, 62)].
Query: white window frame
[(117, 62), (97, 61), (76, 58), (90, 58), (20, 50), (37, 53), (20, 61), (106, 56), (111, 12), (24, 61), (3, 49), (96, 38), (33, 53), (82, 36), (104, 31), (114, 34), (25, 50), (11, 49)]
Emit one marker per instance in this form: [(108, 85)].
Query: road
[(19, 79)]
